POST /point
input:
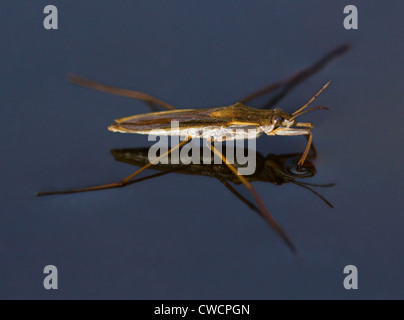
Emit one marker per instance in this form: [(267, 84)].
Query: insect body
[(221, 123)]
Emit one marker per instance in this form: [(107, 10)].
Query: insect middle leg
[(124, 182), (234, 191), (261, 206)]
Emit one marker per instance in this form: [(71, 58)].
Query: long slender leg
[(297, 78), (262, 91), (118, 91), (264, 211), (234, 191), (155, 175), (305, 74), (121, 183)]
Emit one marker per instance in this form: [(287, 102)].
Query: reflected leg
[(121, 183), (264, 211)]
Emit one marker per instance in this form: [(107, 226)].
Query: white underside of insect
[(220, 133)]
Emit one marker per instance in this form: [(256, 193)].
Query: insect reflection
[(276, 169)]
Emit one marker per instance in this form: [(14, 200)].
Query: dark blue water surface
[(180, 236)]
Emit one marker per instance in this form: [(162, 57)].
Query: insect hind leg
[(91, 84)]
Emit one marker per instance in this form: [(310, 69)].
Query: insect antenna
[(312, 99), (308, 110)]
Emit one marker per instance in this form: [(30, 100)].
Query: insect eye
[(277, 120)]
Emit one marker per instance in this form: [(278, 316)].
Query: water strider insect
[(214, 124), (221, 123)]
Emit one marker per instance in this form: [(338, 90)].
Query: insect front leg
[(306, 151)]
